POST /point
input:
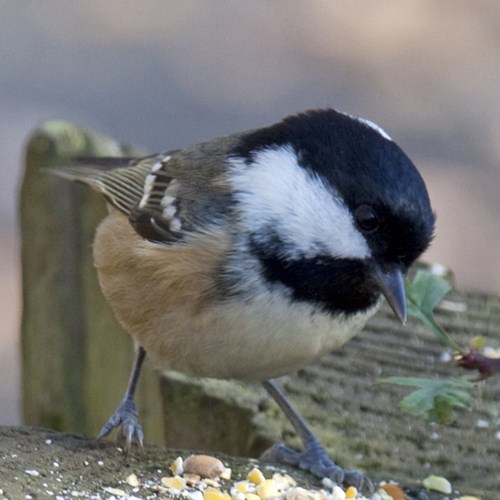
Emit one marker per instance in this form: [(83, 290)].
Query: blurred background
[(164, 74)]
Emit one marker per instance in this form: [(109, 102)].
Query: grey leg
[(313, 458), (125, 416)]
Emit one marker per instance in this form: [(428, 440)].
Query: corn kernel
[(241, 486), (177, 466), (255, 476), (215, 494), (212, 482), (284, 481), (226, 474), (251, 496), (267, 489), (176, 482), (338, 493), (351, 492)]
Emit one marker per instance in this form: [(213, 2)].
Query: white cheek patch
[(306, 213)]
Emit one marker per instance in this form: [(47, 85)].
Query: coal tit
[(249, 256)]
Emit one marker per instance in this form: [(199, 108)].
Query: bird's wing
[(165, 196)]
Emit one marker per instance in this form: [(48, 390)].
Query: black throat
[(339, 286)]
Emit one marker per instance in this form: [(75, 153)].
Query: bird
[(249, 256)]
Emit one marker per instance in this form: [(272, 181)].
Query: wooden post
[(76, 358)]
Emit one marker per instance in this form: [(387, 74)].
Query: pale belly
[(266, 338)]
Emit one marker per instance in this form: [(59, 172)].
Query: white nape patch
[(311, 219), (370, 124), (375, 127)]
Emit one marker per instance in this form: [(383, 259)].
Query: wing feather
[(164, 196)]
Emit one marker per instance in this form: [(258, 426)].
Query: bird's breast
[(256, 340)]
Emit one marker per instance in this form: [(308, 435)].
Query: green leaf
[(434, 399), (427, 290), (424, 292)]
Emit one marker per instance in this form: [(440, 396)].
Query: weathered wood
[(41, 463), (76, 359)]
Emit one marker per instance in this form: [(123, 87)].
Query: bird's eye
[(366, 218)]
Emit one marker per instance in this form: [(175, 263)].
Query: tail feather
[(120, 180)]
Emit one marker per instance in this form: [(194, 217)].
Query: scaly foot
[(125, 417), (315, 460)]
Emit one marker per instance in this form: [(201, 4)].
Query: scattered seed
[(133, 481), (437, 483), (204, 466), (351, 492), (383, 495), (177, 466), (267, 489), (215, 494), (242, 486), (115, 491), (226, 474), (338, 493), (252, 496), (176, 482), (328, 483), (302, 494), (255, 476), (284, 481), (212, 482), (192, 479), (394, 491)]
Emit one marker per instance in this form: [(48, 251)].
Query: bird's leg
[(313, 458), (125, 416)]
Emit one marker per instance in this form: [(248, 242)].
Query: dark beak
[(391, 281)]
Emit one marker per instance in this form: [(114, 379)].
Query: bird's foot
[(315, 460), (125, 417)]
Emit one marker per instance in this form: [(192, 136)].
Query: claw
[(358, 480), (125, 417), (316, 461)]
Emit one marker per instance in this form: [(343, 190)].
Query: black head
[(371, 182)]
